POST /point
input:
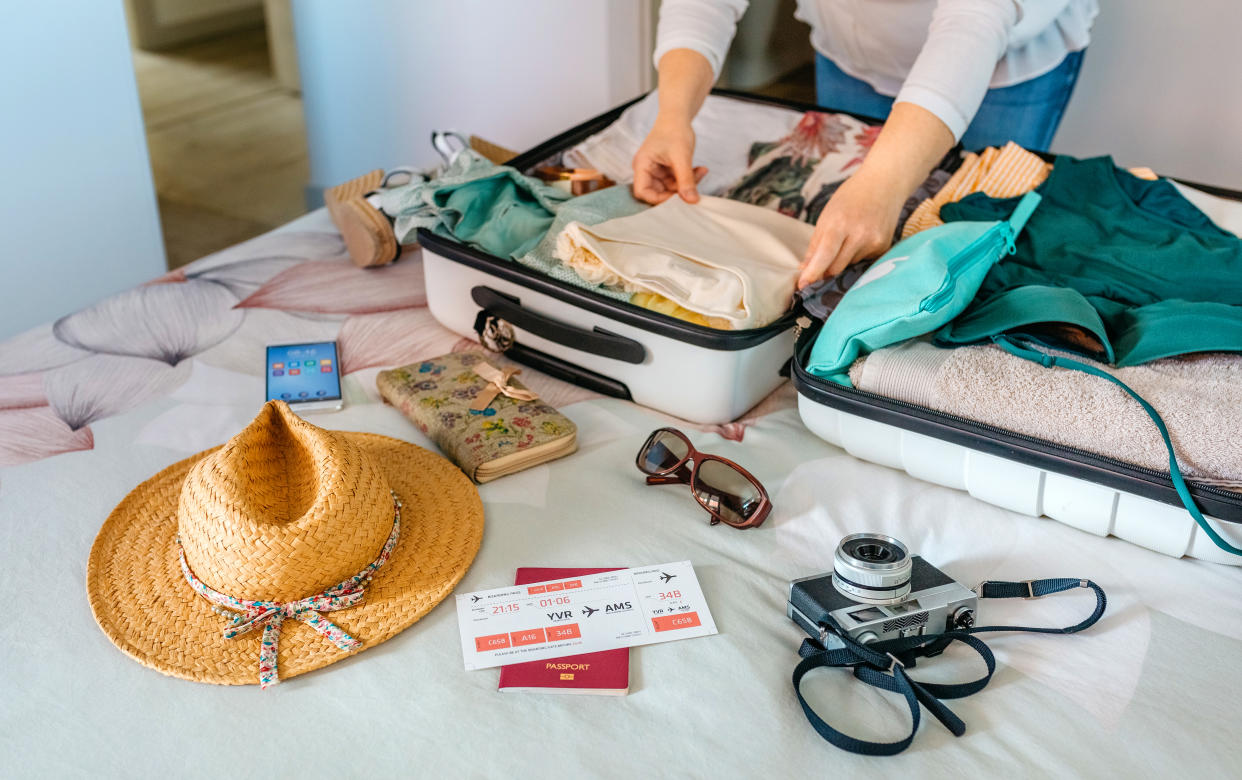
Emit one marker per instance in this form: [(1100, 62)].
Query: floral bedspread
[(212, 319)]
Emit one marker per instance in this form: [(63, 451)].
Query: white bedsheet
[(1153, 690)]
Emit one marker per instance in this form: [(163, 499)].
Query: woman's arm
[(964, 42), (705, 26), (691, 45), (662, 165), (861, 217), (937, 101)]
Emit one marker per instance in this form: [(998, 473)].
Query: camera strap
[(884, 664)]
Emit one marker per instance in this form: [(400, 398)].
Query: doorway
[(223, 117)]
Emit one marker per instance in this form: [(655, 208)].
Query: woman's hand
[(860, 219), (662, 165), (857, 223)]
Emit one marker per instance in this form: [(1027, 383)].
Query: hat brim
[(143, 603)]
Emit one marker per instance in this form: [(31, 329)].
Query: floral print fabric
[(436, 395), (799, 174), (246, 616), (790, 175)]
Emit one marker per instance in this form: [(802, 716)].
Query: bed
[(95, 403)]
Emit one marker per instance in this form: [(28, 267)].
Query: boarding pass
[(586, 614)]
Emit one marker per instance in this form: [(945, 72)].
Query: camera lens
[(872, 568), (874, 553)]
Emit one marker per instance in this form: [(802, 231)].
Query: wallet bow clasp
[(498, 383)]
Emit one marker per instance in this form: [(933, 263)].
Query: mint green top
[(490, 207), (916, 287), (1129, 261)]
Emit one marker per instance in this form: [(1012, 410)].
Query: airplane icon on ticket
[(588, 611), (666, 576), (475, 599)]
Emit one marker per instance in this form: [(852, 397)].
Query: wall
[(1161, 86), (379, 75), (78, 219)]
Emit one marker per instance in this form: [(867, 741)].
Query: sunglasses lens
[(663, 451), (726, 491)]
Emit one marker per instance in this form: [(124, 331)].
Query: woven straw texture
[(282, 511)]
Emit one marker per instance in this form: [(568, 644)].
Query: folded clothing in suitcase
[(591, 336), (939, 422)]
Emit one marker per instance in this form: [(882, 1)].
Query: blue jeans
[(1028, 113)]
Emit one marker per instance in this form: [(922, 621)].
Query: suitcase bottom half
[(547, 331), (1088, 506)]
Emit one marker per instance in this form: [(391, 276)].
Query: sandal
[(368, 233)]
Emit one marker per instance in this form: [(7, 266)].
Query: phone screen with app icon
[(304, 375)]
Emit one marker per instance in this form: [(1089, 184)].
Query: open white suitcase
[(1022, 473), (696, 373), (1096, 494)]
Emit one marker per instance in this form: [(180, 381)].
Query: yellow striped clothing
[(1000, 173)]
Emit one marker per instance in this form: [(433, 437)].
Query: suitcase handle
[(597, 342)]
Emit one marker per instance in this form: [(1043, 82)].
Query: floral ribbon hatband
[(248, 615)]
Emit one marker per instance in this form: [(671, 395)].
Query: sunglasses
[(726, 490)]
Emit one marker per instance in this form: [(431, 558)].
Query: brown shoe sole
[(368, 234)]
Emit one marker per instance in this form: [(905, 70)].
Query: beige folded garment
[(720, 258), (1199, 397)]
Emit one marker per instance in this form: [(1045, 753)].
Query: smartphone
[(305, 376)]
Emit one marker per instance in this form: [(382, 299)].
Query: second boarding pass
[(585, 614)]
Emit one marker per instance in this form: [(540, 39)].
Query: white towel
[(1199, 397), (719, 257)]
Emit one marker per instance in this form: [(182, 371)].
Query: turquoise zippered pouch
[(916, 287)]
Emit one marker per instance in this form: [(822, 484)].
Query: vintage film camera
[(878, 591)]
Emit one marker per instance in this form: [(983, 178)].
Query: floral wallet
[(480, 417)]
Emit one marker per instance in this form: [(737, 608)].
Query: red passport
[(606, 672)]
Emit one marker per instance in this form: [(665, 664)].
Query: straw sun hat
[(300, 544)]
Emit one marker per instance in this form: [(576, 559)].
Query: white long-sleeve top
[(942, 55)]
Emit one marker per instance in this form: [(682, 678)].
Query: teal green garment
[(490, 207), (1129, 261), (916, 287), (590, 209)]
